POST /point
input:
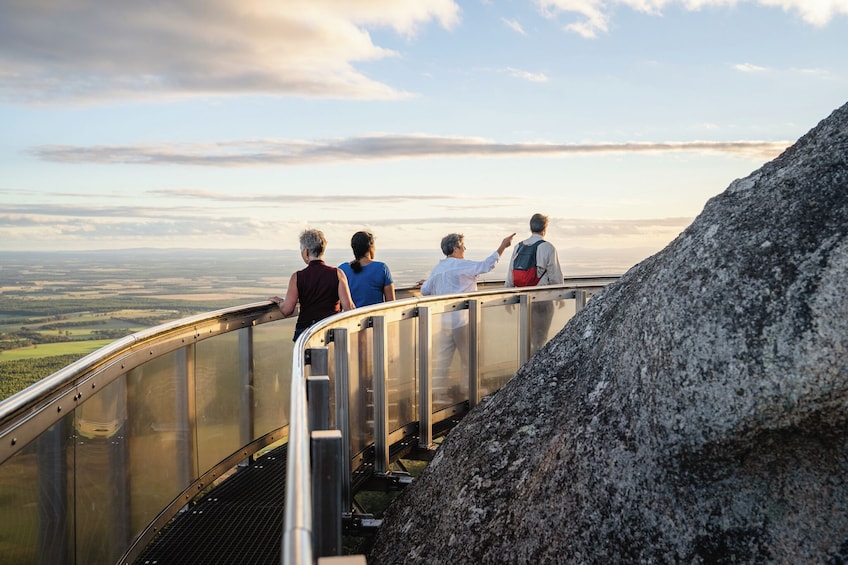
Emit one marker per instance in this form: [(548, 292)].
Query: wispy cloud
[(174, 228), (373, 148), (749, 68), (514, 25), (526, 75), (596, 14), (68, 50), (298, 199)]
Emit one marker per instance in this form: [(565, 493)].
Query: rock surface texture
[(696, 411)]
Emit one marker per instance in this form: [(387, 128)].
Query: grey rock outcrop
[(695, 411)]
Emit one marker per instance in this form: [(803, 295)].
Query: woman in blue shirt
[(370, 281)]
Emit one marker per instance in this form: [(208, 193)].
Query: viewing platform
[(213, 439)]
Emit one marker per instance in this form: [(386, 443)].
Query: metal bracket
[(360, 523)]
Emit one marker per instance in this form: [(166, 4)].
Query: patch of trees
[(19, 374), (65, 325), (15, 306)]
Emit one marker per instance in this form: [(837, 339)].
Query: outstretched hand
[(507, 241)]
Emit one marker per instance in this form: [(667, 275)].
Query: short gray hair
[(538, 223), (451, 241), (313, 241)]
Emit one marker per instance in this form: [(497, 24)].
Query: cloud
[(526, 75), (297, 199), (596, 14), (92, 228), (67, 50), (749, 68), (514, 26), (272, 152)]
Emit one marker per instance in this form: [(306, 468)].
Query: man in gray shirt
[(549, 272)]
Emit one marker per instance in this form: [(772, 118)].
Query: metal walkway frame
[(97, 458)]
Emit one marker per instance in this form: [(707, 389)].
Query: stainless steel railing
[(380, 369), (96, 458)]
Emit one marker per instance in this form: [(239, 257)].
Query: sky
[(238, 123)]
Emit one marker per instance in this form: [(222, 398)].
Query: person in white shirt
[(455, 274), (548, 270)]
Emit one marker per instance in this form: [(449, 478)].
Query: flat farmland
[(58, 307)]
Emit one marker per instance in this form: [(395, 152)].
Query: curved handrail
[(298, 529), (30, 414), (112, 360), (33, 412)]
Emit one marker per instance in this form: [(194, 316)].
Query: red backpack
[(524, 272)]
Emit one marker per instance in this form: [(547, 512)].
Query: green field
[(77, 348), (56, 308)]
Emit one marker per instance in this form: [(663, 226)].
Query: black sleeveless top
[(317, 292)]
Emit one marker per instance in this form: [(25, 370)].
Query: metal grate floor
[(240, 521)]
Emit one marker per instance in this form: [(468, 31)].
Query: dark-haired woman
[(370, 281)]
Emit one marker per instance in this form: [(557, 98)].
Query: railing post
[(473, 353), (186, 411), (579, 300), (318, 359), (342, 352), (318, 402), (381, 396), (524, 328), (425, 379), (327, 481), (245, 352)]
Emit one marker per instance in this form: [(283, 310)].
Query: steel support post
[(186, 411), (580, 300), (342, 351), (381, 396), (327, 479), (245, 353), (318, 359), (525, 325), (318, 402), (425, 379), (473, 353)]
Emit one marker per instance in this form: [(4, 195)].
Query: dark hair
[(360, 243), (451, 241)]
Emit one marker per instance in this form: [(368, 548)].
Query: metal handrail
[(28, 413), (298, 528)]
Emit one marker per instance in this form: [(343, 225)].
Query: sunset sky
[(237, 123)]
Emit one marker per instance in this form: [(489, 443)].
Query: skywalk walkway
[(240, 521), (163, 447)]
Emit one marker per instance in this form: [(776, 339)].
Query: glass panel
[(361, 383), (498, 346), (219, 388), (403, 372), (272, 363), (36, 517), (102, 479), (162, 460), (450, 358), (549, 318)]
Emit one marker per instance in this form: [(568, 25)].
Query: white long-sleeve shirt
[(452, 275)]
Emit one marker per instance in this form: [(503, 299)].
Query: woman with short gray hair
[(322, 290)]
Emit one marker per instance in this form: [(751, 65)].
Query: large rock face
[(694, 412)]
